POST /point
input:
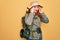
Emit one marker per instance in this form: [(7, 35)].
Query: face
[(36, 8)]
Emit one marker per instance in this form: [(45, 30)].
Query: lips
[(36, 10)]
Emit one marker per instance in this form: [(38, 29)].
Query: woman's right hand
[(32, 10)]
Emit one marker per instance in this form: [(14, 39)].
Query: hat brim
[(40, 6), (35, 5)]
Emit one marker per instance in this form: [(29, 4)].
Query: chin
[(35, 11)]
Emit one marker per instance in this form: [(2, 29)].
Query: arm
[(29, 18), (44, 18)]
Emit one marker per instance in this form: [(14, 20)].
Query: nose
[(36, 8)]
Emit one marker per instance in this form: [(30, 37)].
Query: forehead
[(36, 6)]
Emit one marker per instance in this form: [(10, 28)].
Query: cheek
[(36, 10)]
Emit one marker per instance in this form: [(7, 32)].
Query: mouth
[(36, 10)]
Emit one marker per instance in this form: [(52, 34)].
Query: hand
[(40, 10), (32, 10)]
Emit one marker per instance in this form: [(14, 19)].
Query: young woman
[(33, 17)]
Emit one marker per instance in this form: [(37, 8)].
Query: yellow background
[(11, 12)]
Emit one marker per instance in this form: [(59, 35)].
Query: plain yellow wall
[(11, 12)]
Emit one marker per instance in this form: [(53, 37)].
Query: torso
[(35, 25)]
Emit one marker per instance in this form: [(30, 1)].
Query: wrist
[(41, 12)]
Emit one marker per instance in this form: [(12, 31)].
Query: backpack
[(25, 32)]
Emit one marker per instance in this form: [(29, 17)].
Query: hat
[(35, 3)]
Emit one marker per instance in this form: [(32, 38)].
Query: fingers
[(40, 10), (32, 10)]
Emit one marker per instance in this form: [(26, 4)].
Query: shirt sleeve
[(44, 18), (29, 18)]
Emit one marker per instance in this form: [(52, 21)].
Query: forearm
[(44, 18), (29, 18)]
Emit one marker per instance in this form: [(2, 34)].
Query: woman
[(33, 17)]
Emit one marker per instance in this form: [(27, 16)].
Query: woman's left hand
[(40, 10)]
